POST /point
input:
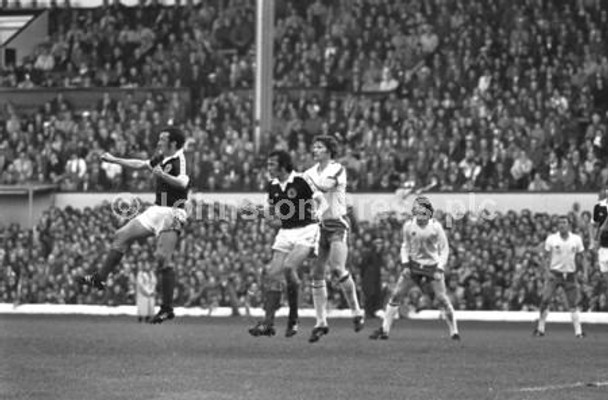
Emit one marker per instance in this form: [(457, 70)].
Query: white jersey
[(425, 245), (563, 251), (331, 181)]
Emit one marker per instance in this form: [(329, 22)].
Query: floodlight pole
[(264, 40)]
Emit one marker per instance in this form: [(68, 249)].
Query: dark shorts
[(332, 231), (421, 273), (565, 280)]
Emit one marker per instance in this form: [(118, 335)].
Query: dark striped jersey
[(292, 201), (600, 213), (168, 195)]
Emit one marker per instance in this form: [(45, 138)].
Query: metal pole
[(263, 69), (30, 195)]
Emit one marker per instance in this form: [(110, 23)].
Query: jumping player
[(292, 201), (164, 219), (562, 249), (329, 177), (424, 255)]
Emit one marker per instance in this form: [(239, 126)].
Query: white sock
[(542, 320), (450, 319), (576, 321), (389, 316), (319, 299), (347, 284)]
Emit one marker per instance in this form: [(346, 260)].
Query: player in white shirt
[(424, 255), (562, 249), (329, 177)]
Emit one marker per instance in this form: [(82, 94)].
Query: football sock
[(347, 284), (391, 312), (542, 320), (319, 298), (293, 289), (110, 264), (271, 304), (450, 319), (576, 321), (167, 285)]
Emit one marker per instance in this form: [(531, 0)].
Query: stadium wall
[(368, 206), (24, 205), (487, 316), (82, 99), (79, 3)]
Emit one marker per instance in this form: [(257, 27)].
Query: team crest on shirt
[(167, 168), (292, 193)]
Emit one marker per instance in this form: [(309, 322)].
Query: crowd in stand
[(495, 263), (474, 95)]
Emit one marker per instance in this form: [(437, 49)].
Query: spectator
[(145, 292), (538, 184), (371, 266)]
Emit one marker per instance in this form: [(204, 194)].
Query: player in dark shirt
[(164, 219), (292, 201), (600, 216)]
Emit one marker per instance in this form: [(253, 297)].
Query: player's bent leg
[(573, 297), (319, 287), (122, 239), (337, 264), (166, 243), (293, 291), (392, 308), (548, 291), (445, 304), (319, 295), (272, 290), (293, 261)]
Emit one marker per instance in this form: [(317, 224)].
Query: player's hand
[(107, 157), (319, 215), (158, 171), (595, 245), (327, 183)]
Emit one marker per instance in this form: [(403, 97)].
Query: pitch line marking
[(562, 386)]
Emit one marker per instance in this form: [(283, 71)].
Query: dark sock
[(168, 285), (293, 289), (110, 264), (272, 303)]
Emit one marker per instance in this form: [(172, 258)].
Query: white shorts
[(602, 257), (287, 239), (158, 219)]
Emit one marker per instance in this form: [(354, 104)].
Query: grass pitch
[(74, 357)]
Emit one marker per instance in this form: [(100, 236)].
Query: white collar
[(290, 179), (175, 155)]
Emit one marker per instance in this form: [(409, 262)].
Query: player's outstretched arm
[(405, 247), (443, 246), (125, 162)]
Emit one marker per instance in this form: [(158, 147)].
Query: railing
[(29, 100)]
